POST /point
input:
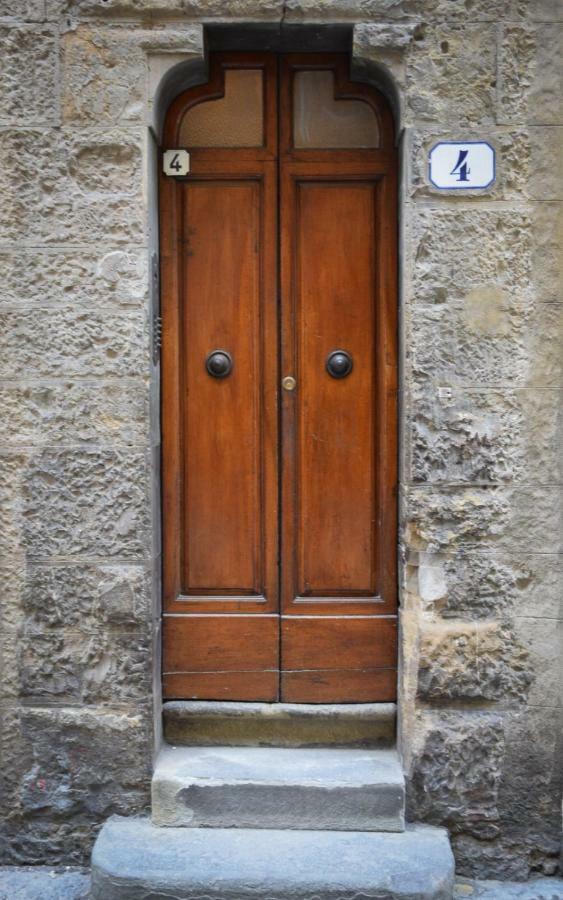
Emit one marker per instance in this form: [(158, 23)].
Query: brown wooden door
[(279, 502)]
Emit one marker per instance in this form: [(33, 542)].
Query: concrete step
[(134, 859), (207, 724), (272, 787)]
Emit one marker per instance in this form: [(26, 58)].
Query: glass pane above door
[(235, 120), (321, 122)]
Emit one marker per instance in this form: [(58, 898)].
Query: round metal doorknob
[(339, 363), (219, 363)]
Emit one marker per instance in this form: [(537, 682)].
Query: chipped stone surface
[(473, 660), (485, 435), (72, 502), (72, 342), (79, 597), (60, 794), (484, 583), (74, 413), (94, 276), (64, 203), (443, 236), (25, 50), (458, 773), (451, 74)]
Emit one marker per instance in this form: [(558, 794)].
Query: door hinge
[(156, 329)]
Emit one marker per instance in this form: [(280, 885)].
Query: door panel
[(224, 520), (304, 612), (334, 308)]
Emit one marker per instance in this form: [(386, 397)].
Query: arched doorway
[(279, 391)]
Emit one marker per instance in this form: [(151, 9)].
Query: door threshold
[(208, 723)]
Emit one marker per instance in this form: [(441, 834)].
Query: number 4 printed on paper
[(176, 163)]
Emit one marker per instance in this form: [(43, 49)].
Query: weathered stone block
[(62, 277), (73, 768), (457, 772), (67, 201), (547, 161), (455, 251), (71, 502), (479, 584), (451, 74), (67, 667), (482, 341), (78, 342), (396, 10), (27, 73), (494, 436), (524, 518), (102, 77), (482, 660), (547, 259), (543, 639), (78, 597), (27, 10), (251, 9), (531, 70), (74, 413)]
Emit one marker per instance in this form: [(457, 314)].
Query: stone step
[(208, 724), (272, 787), (134, 859)]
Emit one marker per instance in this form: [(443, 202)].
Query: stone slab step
[(133, 859), (273, 787), (208, 724)]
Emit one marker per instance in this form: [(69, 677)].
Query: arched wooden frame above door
[(280, 255)]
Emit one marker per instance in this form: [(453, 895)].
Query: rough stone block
[(27, 10), (397, 10), (547, 259), (547, 161), (70, 201), (237, 9), (485, 436), (103, 76), (28, 62), (81, 597), (67, 667), (477, 584), (520, 518), (530, 71), (482, 341), (451, 74), (495, 248), (72, 768), (74, 413), (75, 502), (62, 277), (77, 342), (543, 639), (457, 772), (19, 883), (468, 661)]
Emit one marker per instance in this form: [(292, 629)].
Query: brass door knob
[(289, 383)]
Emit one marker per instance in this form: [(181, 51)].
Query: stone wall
[(481, 311)]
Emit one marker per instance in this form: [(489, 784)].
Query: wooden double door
[(279, 382)]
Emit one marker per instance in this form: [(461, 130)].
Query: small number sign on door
[(176, 162)]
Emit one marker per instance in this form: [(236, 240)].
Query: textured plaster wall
[(481, 312)]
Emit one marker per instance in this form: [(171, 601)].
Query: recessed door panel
[(224, 515), (335, 417)]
